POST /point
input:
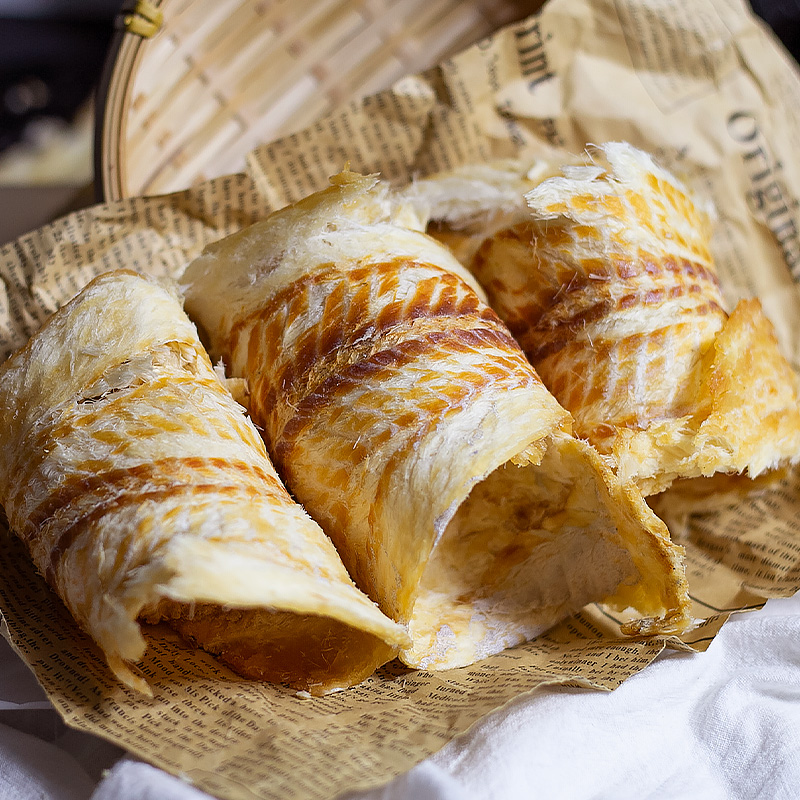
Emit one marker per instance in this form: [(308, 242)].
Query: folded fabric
[(31, 769)]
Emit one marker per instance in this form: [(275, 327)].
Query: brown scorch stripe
[(543, 341), (68, 535), (509, 367), (613, 266), (93, 495), (73, 416), (361, 313), (157, 475), (360, 304)]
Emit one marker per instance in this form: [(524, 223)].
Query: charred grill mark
[(388, 317), (372, 299), (107, 486), (626, 269), (420, 304), (668, 268), (447, 304), (366, 310), (169, 392), (69, 535), (560, 327), (380, 365)]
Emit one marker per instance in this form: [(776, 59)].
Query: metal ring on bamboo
[(145, 20)]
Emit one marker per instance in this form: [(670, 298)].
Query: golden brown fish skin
[(370, 329), (387, 391), (367, 324), (363, 314), (603, 314), (565, 297), (86, 500), (611, 289), (142, 491)]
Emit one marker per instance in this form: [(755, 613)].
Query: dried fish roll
[(144, 492), (403, 415), (610, 287)]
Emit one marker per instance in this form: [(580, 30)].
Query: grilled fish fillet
[(610, 287), (404, 416), (144, 492)]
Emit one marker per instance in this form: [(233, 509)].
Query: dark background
[(51, 57)]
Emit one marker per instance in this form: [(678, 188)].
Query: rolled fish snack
[(404, 416), (143, 492), (609, 285)]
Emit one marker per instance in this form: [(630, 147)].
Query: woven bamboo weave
[(194, 85)]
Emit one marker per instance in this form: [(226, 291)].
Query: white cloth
[(40, 758), (718, 725)]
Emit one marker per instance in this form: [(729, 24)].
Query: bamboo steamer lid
[(191, 86)]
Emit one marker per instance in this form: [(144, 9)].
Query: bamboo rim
[(222, 76)]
